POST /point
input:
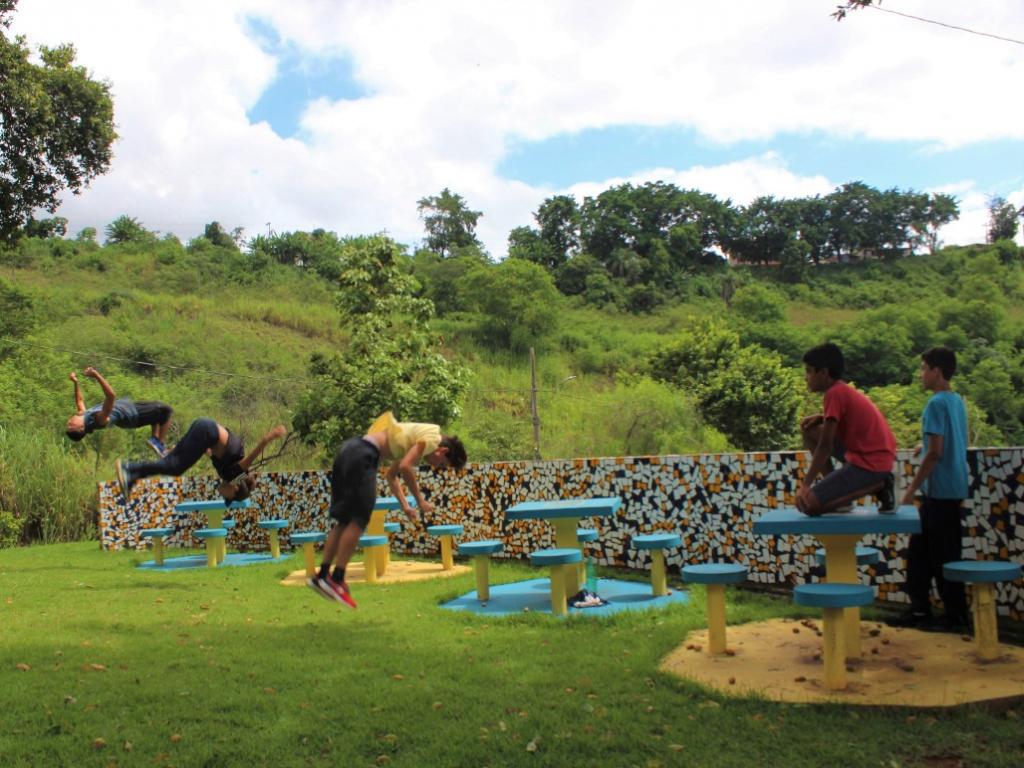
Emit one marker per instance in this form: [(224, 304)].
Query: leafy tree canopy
[(449, 222), (56, 127), (393, 360)]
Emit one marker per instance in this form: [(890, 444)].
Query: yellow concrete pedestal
[(447, 559), (275, 543), (559, 576), (565, 538), (716, 618), (481, 567), (986, 634), (212, 552), (841, 568), (158, 550), (659, 578), (307, 556)]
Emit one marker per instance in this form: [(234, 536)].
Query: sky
[(281, 116)]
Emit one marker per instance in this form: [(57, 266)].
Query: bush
[(10, 530)]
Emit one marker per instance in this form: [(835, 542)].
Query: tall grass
[(51, 492)]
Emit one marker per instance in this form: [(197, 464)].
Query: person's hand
[(73, 376), (908, 497), (801, 497), (90, 372), (426, 508), (279, 431), (411, 514), (809, 421)]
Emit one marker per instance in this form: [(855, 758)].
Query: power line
[(944, 24), (227, 374)]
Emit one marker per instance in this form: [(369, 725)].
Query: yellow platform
[(398, 571), (780, 660)]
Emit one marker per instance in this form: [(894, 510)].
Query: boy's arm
[(79, 402), (822, 453), (936, 444), (277, 432), (406, 468), (109, 396)]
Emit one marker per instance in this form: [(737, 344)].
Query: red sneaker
[(341, 592)]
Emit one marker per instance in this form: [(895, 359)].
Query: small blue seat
[(228, 524), (487, 547), (833, 598), (865, 555), (373, 541), (210, 533), (444, 530), (308, 537), (983, 575), (981, 571), (833, 595), (657, 541), (272, 525), (584, 535), (715, 573), (564, 556), (392, 527), (159, 533)]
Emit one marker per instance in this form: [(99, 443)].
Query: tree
[(743, 391), (517, 302), (56, 127), (57, 226), (128, 229), (1002, 220), (449, 222), (559, 220), (393, 360)]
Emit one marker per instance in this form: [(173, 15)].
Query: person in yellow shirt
[(401, 445)]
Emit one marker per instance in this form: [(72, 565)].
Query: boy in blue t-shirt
[(942, 480)]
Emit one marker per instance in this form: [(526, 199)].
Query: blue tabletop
[(390, 503), (862, 520), (549, 510), (206, 506)]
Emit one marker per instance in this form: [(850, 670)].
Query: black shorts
[(152, 412), (354, 482)]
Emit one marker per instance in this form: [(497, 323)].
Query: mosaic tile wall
[(712, 500)]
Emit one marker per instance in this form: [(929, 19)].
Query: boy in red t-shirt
[(851, 429)]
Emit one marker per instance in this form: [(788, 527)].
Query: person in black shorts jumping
[(226, 452), (121, 412), (354, 488)]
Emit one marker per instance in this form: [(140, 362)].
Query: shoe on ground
[(341, 592), (913, 619), (887, 496), (317, 585), (156, 445)]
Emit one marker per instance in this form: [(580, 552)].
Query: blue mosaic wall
[(712, 500)]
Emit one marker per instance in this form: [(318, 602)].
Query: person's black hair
[(243, 489), (75, 434), (456, 451), (942, 358), (826, 356)]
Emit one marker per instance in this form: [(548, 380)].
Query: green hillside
[(227, 334)]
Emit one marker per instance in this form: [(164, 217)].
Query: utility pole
[(533, 406)]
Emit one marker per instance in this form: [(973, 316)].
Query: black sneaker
[(318, 586), (912, 619), (887, 496)]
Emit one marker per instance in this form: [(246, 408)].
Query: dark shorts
[(354, 482), (152, 412), (847, 481)]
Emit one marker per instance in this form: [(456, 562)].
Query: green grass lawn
[(101, 664)]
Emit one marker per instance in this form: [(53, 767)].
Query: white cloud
[(451, 83)]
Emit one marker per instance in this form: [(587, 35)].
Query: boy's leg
[(201, 435), (948, 534), (842, 487), (919, 574), (157, 416)]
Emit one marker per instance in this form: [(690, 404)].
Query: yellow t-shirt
[(403, 435)]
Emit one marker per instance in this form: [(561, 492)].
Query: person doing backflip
[(204, 436), (121, 412)]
